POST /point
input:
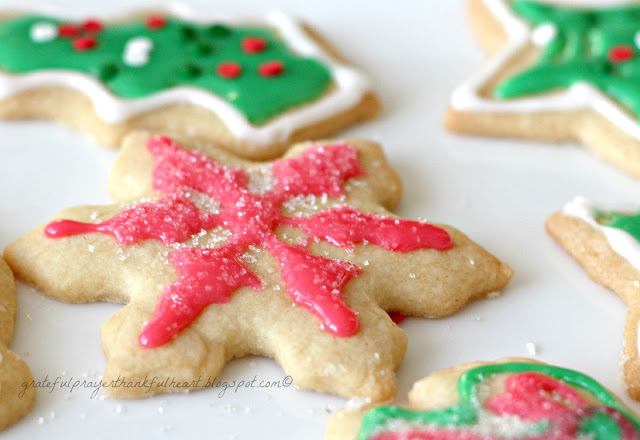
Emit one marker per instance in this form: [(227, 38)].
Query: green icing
[(630, 223), (183, 54), (580, 52), (465, 414)]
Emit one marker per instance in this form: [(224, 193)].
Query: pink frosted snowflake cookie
[(217, 258)]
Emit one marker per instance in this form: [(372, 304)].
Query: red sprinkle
[(68, 30), (396, 317), (84, 43), (156, 21), (271, 68), (92, 25), (254, 44), (229, 69), (621, 53)]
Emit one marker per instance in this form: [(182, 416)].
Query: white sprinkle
[(357, 403), (52, 415), (40, 420), (365, 263), (544, 34), (118, 409), (412, 275), (43, 32), (91, 248), (136, 51), (636, 283), (531, 348), (376, 355), (160, 410), (637, 39), (471, 262)]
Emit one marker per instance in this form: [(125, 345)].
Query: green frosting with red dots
[(597, 46), (250, 67)]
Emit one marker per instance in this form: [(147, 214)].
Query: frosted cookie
[(604, 240), (251, 85), (15, 401), (217, 258), (513, 398), (557, 73)]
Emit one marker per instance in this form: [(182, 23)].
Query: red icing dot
[(621, 53), (229, 69), (271, 68), (84, 43), (92, 25), (254, 44), (68, 30), (156, 21)]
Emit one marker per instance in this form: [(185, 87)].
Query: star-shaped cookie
[(218, 258), (251, 84), (16, 397), (604, 240), (557, 73), (512, 398)]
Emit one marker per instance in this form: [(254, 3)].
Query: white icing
[(621, 242), (580, 95), (43, 32), (136, 51), (350, 85), (544, 34)]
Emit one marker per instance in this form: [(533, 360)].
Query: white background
[(498, 192)]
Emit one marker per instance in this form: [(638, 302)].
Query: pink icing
[(532, 397), (210, 276)]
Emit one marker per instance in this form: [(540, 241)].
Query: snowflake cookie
[(605, 240), (513, 398), (16, 398), (251, 85), (217, 258), (559, 73)]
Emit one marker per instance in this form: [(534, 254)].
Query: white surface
[(498, 192)]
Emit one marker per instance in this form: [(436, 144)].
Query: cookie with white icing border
[(217, 258), (249, 84), (512, 398), (598, 237), (15, 399), (556, 73)]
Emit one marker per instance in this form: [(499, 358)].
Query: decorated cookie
[(15, 401), (558, 73), (513, 398), (605, 241), (217, 258), (251, 86)]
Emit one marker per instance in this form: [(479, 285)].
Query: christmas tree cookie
[(605, 241), (216, 257), (557, 73), (252, 86), (16, 399), (513, 398)]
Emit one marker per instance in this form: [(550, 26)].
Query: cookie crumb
[(532, 348)]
